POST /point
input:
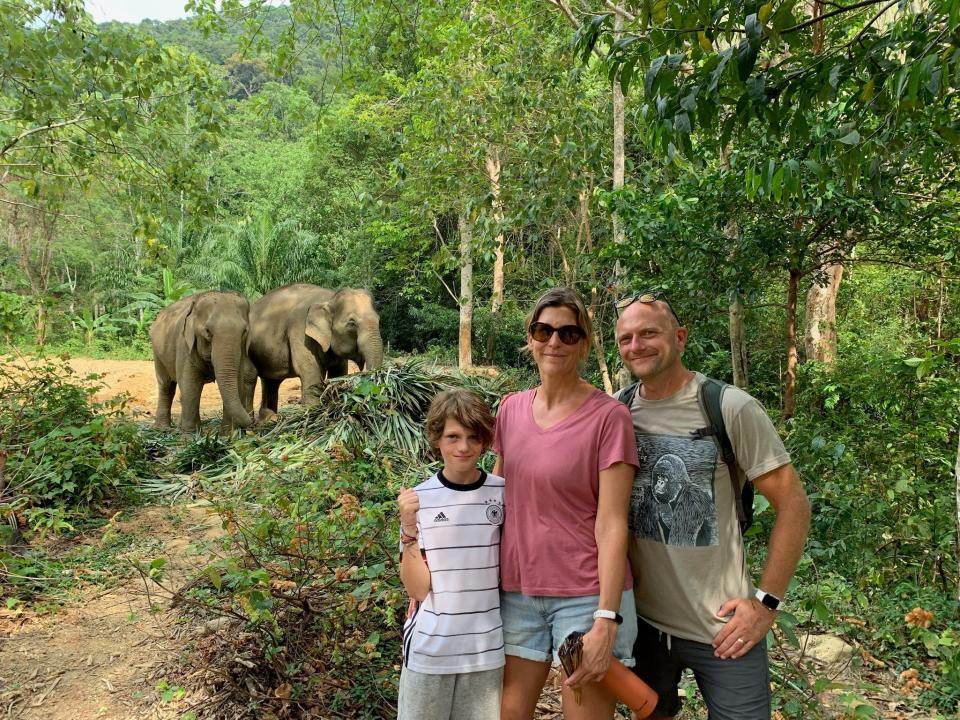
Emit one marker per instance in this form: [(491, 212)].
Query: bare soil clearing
[(104, 657), (137, 379)]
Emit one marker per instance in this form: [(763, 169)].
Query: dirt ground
[(104, 657), (137, 379)]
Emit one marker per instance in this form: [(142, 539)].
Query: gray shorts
[(461, 696), (733, 689)]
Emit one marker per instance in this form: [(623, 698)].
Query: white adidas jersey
[(457, 627)]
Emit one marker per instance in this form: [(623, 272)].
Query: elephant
[(310, 332), (197, 340)]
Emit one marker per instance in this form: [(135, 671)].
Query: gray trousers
[(462, 696), (732, 689)]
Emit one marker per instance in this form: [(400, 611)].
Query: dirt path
[(105, 657), (137, 379)]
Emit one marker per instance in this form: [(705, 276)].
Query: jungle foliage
[(790, 182)]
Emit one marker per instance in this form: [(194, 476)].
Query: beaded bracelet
[(407, 539)]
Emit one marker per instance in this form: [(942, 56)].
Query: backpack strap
[(711, 398), (628, 393)]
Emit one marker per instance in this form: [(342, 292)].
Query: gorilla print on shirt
[(673, 498)]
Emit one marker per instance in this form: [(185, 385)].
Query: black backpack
[(710, 397)]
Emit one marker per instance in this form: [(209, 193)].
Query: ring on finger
[(739, 640)]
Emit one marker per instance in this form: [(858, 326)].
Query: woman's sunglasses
[(568, 334), (647, 296)]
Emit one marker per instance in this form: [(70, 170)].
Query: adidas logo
[(441, 518)]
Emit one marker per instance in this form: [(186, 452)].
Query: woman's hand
[(597, 654), (409, 504)]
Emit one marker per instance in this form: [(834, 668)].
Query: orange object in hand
[(619, 680), (629, 689)]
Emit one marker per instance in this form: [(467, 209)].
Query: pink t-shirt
[(552, 488)]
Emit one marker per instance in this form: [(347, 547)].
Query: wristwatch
[(608, 615), (771, 602)]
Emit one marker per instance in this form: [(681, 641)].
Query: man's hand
[(409, 504), (597, 649), (749, 625)]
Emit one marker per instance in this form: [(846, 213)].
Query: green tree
[(872, 67), (258, 255), (78, 102)]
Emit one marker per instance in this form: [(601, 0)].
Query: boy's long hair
[(465, 408)]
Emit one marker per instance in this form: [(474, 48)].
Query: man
[(697, 606)]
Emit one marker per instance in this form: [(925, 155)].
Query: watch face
[(770, 601)]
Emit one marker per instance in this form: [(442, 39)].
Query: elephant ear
[(318, 325), (188, 329)]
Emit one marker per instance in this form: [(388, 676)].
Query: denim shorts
[(534, 626)]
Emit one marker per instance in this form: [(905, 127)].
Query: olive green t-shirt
[(686, 551)]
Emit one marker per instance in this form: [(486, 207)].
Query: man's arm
[(751, 620)]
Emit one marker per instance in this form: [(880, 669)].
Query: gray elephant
[(197, 340), (311, 332)]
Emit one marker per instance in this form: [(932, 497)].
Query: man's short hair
[(567, 298), (466, 408)]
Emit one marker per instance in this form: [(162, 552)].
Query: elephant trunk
[(226, 358), (371, 348)]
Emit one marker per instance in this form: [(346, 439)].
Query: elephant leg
[(311, 374), (269, 397), (166, 388), (190, 387)]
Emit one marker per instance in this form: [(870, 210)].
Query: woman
[(567, 452)]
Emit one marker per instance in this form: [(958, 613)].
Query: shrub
[(64, 450), (13, 313), (307, 577), (308, 580), (874, 439)]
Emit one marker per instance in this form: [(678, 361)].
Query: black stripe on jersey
[(459, 569), (468, 612), (461, 547), (479, 652), (481, 632), (448, 592)]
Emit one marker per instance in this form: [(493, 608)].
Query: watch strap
[(608, 615)]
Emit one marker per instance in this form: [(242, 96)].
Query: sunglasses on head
[(568, 334), (647, 297)]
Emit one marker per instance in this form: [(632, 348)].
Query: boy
[(453, 640)]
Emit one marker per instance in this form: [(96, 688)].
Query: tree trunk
[(493, 167), (737, 329), (821, 317), (738, 343), (598, 344), (940, 308), (465, 343), (819, 30), (956, 473), (619, 236), (37, 269), (790, 389), (40, 325), (585, 240)]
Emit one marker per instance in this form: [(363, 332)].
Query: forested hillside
[(786, 172)]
